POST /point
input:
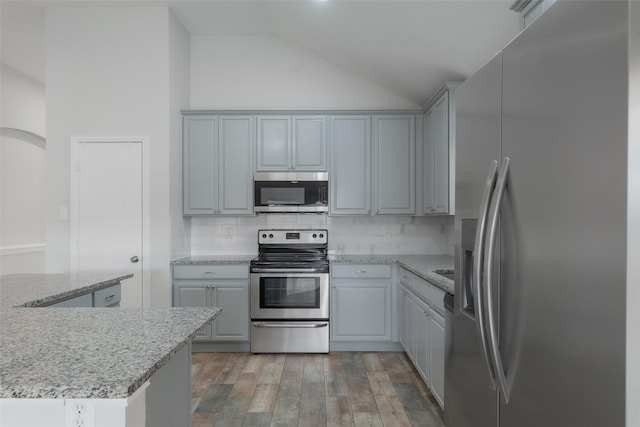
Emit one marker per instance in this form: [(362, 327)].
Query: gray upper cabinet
[(218, 165), (394, 145), (291, 143), (350, 176), (439, 153)]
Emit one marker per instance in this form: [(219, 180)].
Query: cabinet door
[(422, 338), (85, 300), (235, 170), (194, 294), (395, 149), (436, 355), (199, 164), (441, 155), (428, 163), (361, 311), (274, 140), (309, 149), (350, 176), (233, 322), (406, 322)]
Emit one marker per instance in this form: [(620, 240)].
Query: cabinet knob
[(134, 259)]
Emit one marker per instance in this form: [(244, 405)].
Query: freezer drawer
[(290, 337)]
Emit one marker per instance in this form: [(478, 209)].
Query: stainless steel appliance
[(541, 223), (291, 192), (290, 292)]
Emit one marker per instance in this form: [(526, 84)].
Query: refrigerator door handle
[(489, 251), (478, 264)]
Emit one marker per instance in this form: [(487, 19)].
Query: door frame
[(146, 191)]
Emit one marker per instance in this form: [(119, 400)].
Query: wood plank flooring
[(337, 389)]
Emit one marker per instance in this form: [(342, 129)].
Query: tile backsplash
[(382, 234)]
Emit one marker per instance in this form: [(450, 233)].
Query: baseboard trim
[(220, 347), (22, 249)]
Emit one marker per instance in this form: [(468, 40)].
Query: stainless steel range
[(290, 292)]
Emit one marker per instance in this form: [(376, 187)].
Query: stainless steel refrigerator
[(541, 226)]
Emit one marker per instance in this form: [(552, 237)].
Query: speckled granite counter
[(214, 259), (424, 266), (34, 290), (90, 352)]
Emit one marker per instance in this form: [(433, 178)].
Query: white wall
[(23, 157), (267, 72), (179, 87), (382, 234), (108, 74)]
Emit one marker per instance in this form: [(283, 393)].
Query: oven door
[(289, 295)]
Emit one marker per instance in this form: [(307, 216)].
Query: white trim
[(146, 191), (22, 249)]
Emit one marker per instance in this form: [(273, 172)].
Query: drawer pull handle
[(361, 271), (209, 272), (109, 298)]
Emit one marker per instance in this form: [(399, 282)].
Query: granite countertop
[(424, 266), (214, 259), (35, 290), (83, 353)]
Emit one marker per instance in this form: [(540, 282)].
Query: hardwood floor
[(337, 389)]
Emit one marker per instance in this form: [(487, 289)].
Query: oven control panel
[(294, 237)]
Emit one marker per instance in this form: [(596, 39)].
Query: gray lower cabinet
[(85, 300), (218, 165), (422, 332), (107, 297), (195, 286), (361, 302)]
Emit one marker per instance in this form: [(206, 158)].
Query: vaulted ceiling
[(407, 46)]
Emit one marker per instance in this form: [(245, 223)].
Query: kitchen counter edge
[(423, 266)]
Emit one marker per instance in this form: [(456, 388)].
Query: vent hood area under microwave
[(291, 192)]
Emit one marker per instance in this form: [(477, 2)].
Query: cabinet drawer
[(211, 271), (108, 297), (423, 289), (80, 301), (407, 278), (360, 271)]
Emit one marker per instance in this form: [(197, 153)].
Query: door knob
[(134, 259)]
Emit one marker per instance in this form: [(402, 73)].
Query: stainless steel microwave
[(291, 192)]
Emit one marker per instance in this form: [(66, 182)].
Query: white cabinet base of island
[(162, 401)]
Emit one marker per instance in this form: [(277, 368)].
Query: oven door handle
[(288, 270), (290, 324)]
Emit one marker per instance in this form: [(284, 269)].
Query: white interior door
[(109, 212)]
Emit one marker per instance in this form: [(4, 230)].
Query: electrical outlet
[(227, 232), (79, 409), (80, 413)]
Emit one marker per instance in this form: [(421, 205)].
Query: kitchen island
[(40, 290), (96, 367)]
